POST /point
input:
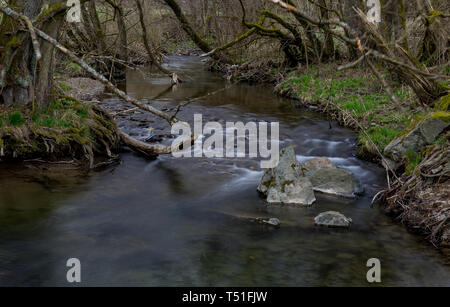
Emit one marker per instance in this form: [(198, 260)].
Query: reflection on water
[(178, 222)]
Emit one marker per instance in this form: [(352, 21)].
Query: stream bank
[(65, 129), (418, 195)]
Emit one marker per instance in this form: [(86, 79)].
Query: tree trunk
[(99, 34), (44, 78), (121, 26), (328, 44), (23, 79)]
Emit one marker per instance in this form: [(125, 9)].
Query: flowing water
[(178, 222)]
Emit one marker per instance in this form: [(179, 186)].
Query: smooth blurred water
[(180, 222)]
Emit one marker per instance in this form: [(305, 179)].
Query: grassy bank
[(356, 99), (64, 129)]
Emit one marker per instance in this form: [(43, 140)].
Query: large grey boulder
[(329, 179), (286, 183), (332, 219), (423, 134)]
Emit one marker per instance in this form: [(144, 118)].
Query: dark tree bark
[(23, 78), (328, 45), (99, 34), (120, 19)]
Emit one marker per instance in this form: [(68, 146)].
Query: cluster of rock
[(293, 183)]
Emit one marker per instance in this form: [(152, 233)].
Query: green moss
[(443, 103), (14, 42), (16, 119), (433, 15), (444, 116), (64, 86), (441, 141), (413, 159), (73, 66)]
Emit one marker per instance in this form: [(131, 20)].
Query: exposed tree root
[(422, 200), (96, 135)]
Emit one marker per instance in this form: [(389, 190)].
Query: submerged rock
[(286, 182), (423, 134), (332, 219), (273, 221), (329, 179)]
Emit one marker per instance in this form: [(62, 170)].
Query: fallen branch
[(231, 43), (148, 150)]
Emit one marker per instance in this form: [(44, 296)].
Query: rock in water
[(329, 179), (311, 166), (286, 182), (273, 221), (339, 182), (332, 219)]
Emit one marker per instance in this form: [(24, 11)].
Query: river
[(176, 222)]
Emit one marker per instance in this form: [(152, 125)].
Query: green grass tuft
[(381, 136), (16, 119), (64, 86), (414, 159)]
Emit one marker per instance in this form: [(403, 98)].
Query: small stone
[(272, 222), (332, 219)]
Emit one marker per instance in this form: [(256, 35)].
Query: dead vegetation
[(421, 201)]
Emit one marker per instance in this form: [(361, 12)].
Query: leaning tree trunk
[(24, 78), (187, 27)]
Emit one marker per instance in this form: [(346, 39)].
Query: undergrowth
[(353, 96)]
